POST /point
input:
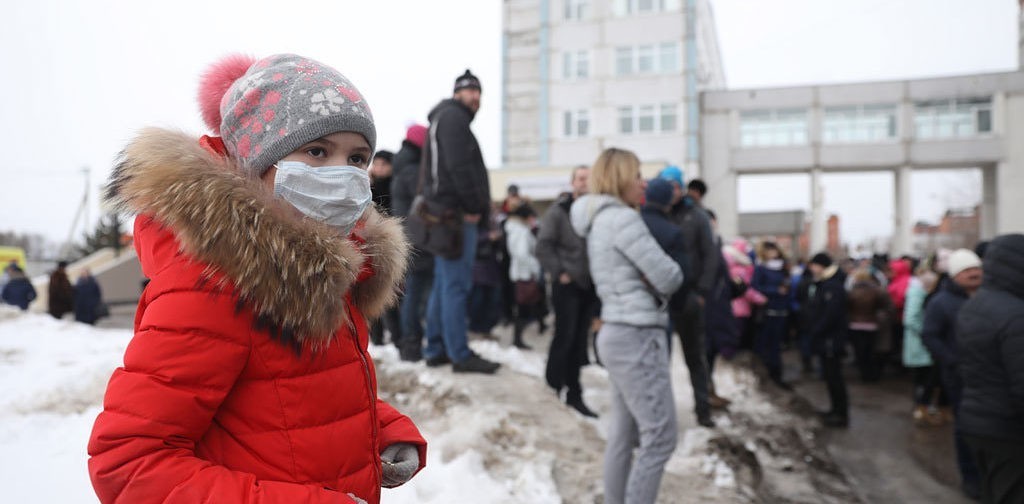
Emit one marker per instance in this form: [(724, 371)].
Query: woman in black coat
[(990, 340)]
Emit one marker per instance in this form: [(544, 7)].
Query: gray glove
[(398, 463), (357, 499)]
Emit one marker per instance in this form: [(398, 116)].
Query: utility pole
[(83, 208)]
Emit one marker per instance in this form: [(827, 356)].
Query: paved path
[(886, 457)]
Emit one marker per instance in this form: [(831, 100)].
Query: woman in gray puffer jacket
[(634, 279)]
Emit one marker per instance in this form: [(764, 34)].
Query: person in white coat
[(524, 268)]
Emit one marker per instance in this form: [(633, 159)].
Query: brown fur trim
[(292, 271), (388, 251)]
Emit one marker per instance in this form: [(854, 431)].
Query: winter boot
[(517, 336), (835, 420), (475, 364), (575, 399)]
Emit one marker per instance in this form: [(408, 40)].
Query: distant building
[(584, 75), (959, 228), (803, 251), (791, 231)]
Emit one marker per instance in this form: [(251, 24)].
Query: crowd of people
[(84, 299), (277, 250), (624, 263)]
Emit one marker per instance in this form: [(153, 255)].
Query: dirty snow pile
[(492, 439)]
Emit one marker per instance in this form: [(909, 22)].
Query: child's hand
[(398, 463)]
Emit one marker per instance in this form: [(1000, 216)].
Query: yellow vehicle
[(8, 254)]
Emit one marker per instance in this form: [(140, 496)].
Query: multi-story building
[(583, 75), (959, 228)]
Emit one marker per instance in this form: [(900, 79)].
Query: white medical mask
[(334, 195)]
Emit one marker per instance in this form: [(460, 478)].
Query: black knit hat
[(467, 80), (822, 259)]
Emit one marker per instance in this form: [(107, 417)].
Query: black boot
[(575, 399), (517, 336)]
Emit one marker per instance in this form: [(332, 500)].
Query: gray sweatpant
[(643, 412)]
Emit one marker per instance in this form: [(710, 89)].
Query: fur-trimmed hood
[(292, 272)]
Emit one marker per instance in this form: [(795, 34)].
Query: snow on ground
[(492, 439)]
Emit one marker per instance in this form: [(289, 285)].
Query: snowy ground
[(493, 439)]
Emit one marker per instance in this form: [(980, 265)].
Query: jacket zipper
[(373, 402)]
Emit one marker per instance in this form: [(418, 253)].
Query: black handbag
[(435, 228)]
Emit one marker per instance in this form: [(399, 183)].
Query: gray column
[(989, 203), (819, 227), (903, 225)]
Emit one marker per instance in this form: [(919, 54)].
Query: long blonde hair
[(614, 172)]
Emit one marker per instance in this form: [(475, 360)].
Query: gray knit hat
[(266, 109)]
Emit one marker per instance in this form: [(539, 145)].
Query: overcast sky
[(81, 77)]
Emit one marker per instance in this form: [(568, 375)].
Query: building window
[(630, 7), (861, 123), (773, 128), (668, 60), (575, 123), (668, 117), (626, 120), (582, 64), (623, 60), (576, 10), (582, 123), (648, 59), (961, 117), (645, 119), (645, 59), (575, 65)]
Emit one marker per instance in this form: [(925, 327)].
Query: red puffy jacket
[(898, 285), (232, 390)]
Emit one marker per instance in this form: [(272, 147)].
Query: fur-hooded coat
[(248, 377)]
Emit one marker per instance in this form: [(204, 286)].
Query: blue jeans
[(446, 311)]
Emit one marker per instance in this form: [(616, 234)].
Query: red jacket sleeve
[(398, 428), (182, 362)]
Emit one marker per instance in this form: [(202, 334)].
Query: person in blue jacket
[(771, 278), (88, 298), (19, 290)]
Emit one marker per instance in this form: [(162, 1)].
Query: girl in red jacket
[(248, 378)]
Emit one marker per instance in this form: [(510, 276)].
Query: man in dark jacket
[(60, 294), (381, 172), (990, 336), (420, 276), (18, 290), (702, 257), (563, 254), (828, 326), (656, 215), (456, 178), (939, 336)]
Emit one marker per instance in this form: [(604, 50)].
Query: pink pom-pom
[(215, 82)]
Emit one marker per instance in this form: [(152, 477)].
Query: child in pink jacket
[(742, 268)]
